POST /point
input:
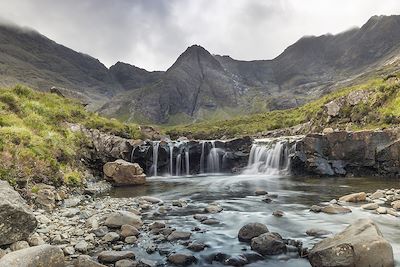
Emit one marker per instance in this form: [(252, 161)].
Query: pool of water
[(236, 195)]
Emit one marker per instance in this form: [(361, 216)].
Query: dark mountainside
[(201, 86)]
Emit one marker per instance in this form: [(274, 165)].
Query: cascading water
[(171, 158), (203, 143), (269, 156), (213, 165), (154, 166)]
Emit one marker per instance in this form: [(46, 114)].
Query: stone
[(210, 221), (335, 209), (381, 210), (237, 260), (121, 172), (101, 231), (2, 253), (19, 245), (393, 212), (131, 239), (370, 206), (200, 217), (44, 255), (35, 240), (179, 235), (82, 246), (45, 199), (317, 232), (196, 246), (180, 259), (126, 263), (213, 209), (268, 244), (327, 130), (251, 230), (147, 263), (119, 218), (129, 230), (69, 250), (355, 197), (278, 213), (333, 108), (111, 237), (377, 195), (114, 256), (72, 202), (396, 205), (152, 200), (260, 192), (358, 245), (316, 208), (17, 221), (157, 225), (87, 261)]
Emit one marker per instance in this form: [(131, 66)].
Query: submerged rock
[(251, 230), (360, 244), (121, 172), (44, 255), (317, 232)]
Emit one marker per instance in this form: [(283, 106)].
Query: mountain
[(200, 86)]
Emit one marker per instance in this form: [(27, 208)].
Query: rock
[(381, 210), (72, 202), (179, 235), (69, 250), (126, 263), (120, 218), (131, 239), (180, 259), (260, 192), (267, 199), (251, 230), (2, 253), (377, 195), (396, 204), (333, 108), (35, 240), (268, 244), (45, 199), (17, 222), (370, 206), (393, 212), (238, 260), (44, 255), (111, 237), (87, 261), (356, 197), (200, 217), (316, 208), (213, 209), (19, 245), (82, 246), (327, 130), (335, 209), (121, 172), (317, 232), (358, 245), (114, 256), (157, 225), (152, 200), (196, 246), (278, 213), (147, 263), (210, 221), (101, 231), (129, 230)]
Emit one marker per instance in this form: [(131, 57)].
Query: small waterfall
[(187, 161), (203, 143), (171, 158), (269, 156), (154, 166), (213, 159), (133, 153), (178, 165)]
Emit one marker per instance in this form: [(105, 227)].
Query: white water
[(203, 143), (171, 158), (213, 164), (154, 167)]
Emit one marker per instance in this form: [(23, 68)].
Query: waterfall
[(178, 165), (269, 156), (213, 164), (187, 161), (154, 166), (203, 143), (132, 153), (171, 159)]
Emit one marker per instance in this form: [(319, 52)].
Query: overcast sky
[(152, 33)]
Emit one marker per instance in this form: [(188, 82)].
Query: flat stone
[(196, 246), (180, 259), (114, 256), (278, 213), (355, 197), (316, 208), (152, 200), (381, 210), (131, 239), (335, 209), (19, 245), (210, 221), (213, 209), (179, 235), (370, 206), (119, 218), (111, 237), (82, 246), (126, 263), (317, 232), (87, 261)]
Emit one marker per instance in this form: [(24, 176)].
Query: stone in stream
[(377, 195), (316, 208), (87, 261), (180, 259), (114, 256), (179, 235), (44, 255), (396, 204), (260, 192), (121, 172), (251, 230), (210, 221), (278, 213), (358, 245), (196, 246), (317, 232), (212, 208), (151, 200), (370, 206), (381, 210), (131, 239), (119, 218), (268, 244), (200, 217), (237, 260), (335, 209), (157, 225), (126, 263), (267, 200), (355, 197), (129, 230), (16, 219)]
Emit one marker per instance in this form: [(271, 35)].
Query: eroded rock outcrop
[(121, 172)]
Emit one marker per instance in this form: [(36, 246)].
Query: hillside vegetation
[(36, 143), (380, 107)]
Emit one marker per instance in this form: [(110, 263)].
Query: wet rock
[(267, 200), (381, 210), (377, 195), (157, 225), (316, 208), (260, 192), (251, 230), (19, 245), (147, 263), (213, 209), (335, 209), (370, 206), (111, 237), (278, 213), (179, 235), (396, 205), (151, 248), (131, 239), (129, 230), (210, 221), (360, 244), (16, 220), (121, 172), (238, 260), (196, 246), (355, 197), (393, 212), (179, 203), (151, 200), (114, 256), (180, 259), (126, 263), (200, 217), (317, 232), (87, 261), (268, 244), (117, 219), (44, 255)]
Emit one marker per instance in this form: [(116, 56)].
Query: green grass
[(36, 143), (381, 110)]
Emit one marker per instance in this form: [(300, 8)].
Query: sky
[(152, 33)]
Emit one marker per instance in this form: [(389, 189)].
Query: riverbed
[(236, 195)]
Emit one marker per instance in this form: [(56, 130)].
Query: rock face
[(44, 255), (341, 153), (360, 244), (121, 172), (17, 222)]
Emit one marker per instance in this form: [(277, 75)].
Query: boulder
[(179, 235), (370, 206), (119, 218), (212, 208), (114, 256), (355, 197), (129, 230), (251, 230), (333, 108), (360, 244), (268, 244), (180, 259), (87, 261), (121, 172), (44, 255), (17, 221), (317, 232), (396, 205), (335, 209)]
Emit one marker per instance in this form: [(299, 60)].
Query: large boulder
[(251, 230), (119, 218), (121, 172), (360, 244), (44, 255), (355, 197), (17, 221), (268, 244)]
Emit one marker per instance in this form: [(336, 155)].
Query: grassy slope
[(382, 109), (36, 144)]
